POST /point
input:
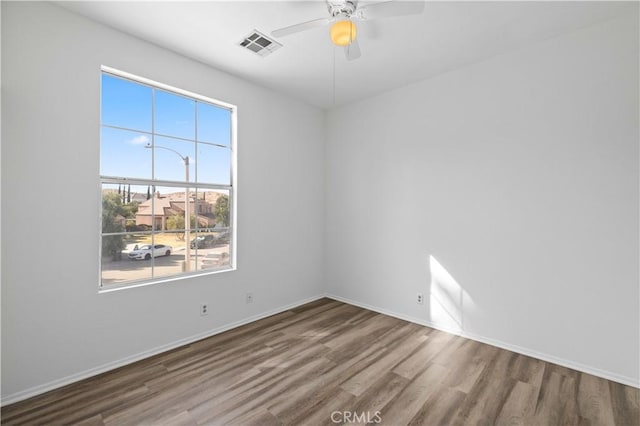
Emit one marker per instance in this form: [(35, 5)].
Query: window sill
[(137, 284)]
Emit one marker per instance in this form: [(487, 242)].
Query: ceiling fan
[(343, 13)]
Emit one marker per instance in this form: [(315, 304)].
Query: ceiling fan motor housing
[(342, 8)]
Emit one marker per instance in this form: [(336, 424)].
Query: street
[(114, 272)]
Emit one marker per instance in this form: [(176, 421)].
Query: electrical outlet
[(249, 297), (420, 299), (204, 310)]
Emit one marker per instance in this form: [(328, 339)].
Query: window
[(165, 155)]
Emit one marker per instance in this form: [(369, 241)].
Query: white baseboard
[(493, 342), (40, 389)]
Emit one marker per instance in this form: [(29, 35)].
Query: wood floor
[(328, 362)]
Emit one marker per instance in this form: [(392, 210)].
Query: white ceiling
[(395, 51)]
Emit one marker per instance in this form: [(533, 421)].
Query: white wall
[(519, 176), (55, 325)]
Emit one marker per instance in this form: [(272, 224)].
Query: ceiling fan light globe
[(343, 33)]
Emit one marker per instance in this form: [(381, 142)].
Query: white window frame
[(232, 187)]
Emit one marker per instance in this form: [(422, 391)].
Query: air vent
[(260, 44)]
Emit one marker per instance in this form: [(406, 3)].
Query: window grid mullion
[(164, 135), (153, 176)]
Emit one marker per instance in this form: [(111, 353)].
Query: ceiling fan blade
[(389, 9), (301, 27), (352, 51)]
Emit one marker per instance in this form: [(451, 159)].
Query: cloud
[(140, 140)]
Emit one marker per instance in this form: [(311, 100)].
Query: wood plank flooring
[(328, 362)]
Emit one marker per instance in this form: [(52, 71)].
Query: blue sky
[(123, 154)]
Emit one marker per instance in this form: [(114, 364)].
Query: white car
[(145, 252)]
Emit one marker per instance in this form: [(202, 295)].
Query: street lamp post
[(187, 215)]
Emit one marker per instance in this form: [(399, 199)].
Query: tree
[(130, 210), (112, 221), (148, 192), (129, 194), (177, 222), (221, 210)]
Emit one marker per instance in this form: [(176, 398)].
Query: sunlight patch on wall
[(447, 299)]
